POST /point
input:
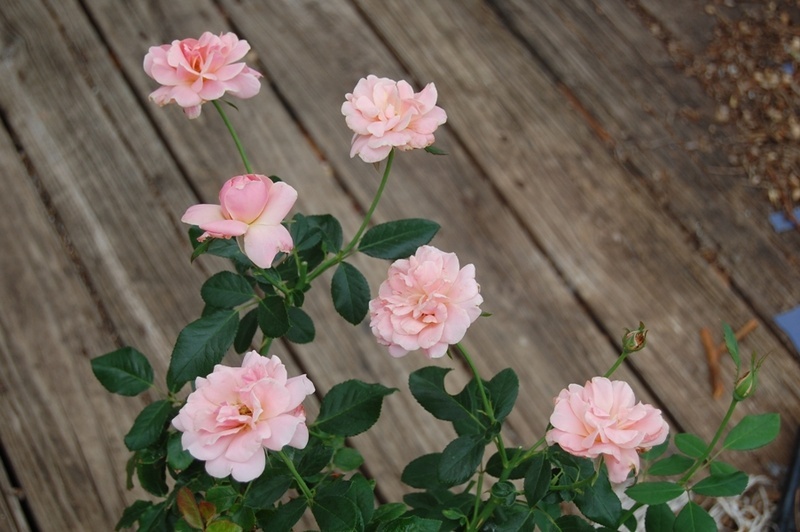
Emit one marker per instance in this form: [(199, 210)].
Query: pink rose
[(426, 303), (195, 71), (388, 114), (235, 413), (603, 418), (252, 207)]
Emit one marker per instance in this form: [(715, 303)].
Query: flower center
[(245, 411)]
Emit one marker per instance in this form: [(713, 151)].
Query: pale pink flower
[(251, 207), (603, 418), (195, 71), (236, 413), (426, 303), (386, 114)]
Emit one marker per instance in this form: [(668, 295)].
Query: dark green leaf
[(722, 485), (654, 492), (302, 235), (177, 458), (503, 390), (154, 519), (514, 518), (659, 518), (149, 425), (361, 493), (246, 331), (350, 293), (267, 489), (283, 518), (656, 451), (732, 345), (495, 464), (273, 318), (351, 407), (132, 513), (411, 524), (690, 445), (537, 479), (347, 459), (398, 239), (423, 472), (752, 432), (460, 459), (222, 497), (301, 328), (200, 346), (388, 512), (226, 290), (331, 231), (573, 523), (672, 465), (336, 514), (153, 476), (427, 387), (600, 503), (313, 458), (125, 371), (694, 519), (721, 468)]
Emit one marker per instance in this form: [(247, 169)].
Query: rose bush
[(602, 418), (252, 207), (386, 114), (195, 71)]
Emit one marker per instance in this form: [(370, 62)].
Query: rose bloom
[(426, 303), (603, 418), (235, 413), (194, 71), (251, 207), (386, 114)]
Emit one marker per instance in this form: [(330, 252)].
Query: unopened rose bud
[(747, 383), (634, 340)]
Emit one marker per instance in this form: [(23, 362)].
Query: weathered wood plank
[(642, 117), (12, 517), (601, 230)]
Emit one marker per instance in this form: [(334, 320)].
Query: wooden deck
[(571, 183)]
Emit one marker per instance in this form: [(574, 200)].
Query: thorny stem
[(236, 140)]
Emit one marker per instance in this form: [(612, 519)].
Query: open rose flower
[(386, 114), (194, 71), (251, 207), (236, 413), (426, 303), (603, 418)]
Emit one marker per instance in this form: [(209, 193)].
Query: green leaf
[(659, 518), (719, 468), (411, 524), (752, 432), (177, 458), (388, 512), (200, 346), (398, 239), (336, 514), (656, 451), (351, 407), (226, 290), (347, 459), (503, 390), (427, 387), (153, 476), (246, 331), (331, 231), (537, 479), (223, 526), (423, 472), (654, 492), (284, 517), (360, 491), (313, 458), (132, 513), (690, 445), (187, 506), (273, 317), (494, 466), (732, 345), (671, 465), (694, 519), (149, 425), (722, 485), (350, 293), (460, 459), (222, 497), (301, 328), (573, 523), (599, 503), (267, 489), (154, 519), (434, 150), (125, 371)]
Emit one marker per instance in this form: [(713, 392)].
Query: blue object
[(780, 222), (789, 321)]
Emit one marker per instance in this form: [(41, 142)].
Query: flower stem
[(700, 461), (235, 137), (345, 252), (293, 470), (620, 359)]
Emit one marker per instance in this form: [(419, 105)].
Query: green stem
[(300, 482), (627, 515), (345, 252), (701, 461), (236, 140), (617, 364)]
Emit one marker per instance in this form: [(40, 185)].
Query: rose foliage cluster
[(237, 451)]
